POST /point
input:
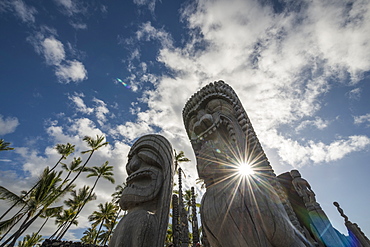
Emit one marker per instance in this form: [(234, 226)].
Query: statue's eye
[(213, 106), (149, 157)]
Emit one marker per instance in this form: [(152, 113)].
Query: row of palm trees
[(40, 201)]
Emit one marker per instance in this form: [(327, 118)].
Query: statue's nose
[(204, 122), (134, 164)]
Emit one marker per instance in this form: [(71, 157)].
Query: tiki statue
[(147, 194), (236, 210)]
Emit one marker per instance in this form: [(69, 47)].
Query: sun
[(245, 169)]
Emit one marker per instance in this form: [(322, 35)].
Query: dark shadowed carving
[(147, 194)]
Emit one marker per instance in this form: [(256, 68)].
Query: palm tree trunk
[(20, 199), (16, 234), (58, 229), (79, 172), (97, 235), (11, 227), (69, 173), (79, 210), (111, 229), (42, 226), (24, 229), (64, 228), (62, 232)]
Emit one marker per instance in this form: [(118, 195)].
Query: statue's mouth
[(205, 130), (141, 179), (141, 186)]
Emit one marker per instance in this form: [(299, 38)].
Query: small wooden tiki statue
[(147, 194)]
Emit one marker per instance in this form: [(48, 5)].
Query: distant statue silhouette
[(303, 188)]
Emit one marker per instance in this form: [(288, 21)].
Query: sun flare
[(245, 169)]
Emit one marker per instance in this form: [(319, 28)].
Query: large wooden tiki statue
[(147, 194), (236, 210)]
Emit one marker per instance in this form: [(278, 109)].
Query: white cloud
[(85, 127), (53, 51), (100, 110), (79, 26), (355, 94), (55, 55), (80, 104), (70, 7), (8, 125), (362, 119), (148, 32), (317, 122), (280, 65), (149, 3), (131, 131), (24, 12), (297, 154), (71, 71)]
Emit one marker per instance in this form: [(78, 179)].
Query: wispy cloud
[(101, 111), (78, 26), (20, 9), (317, 122), (362, 119), (70, 7), (52, 49), (99, 108), (355, 94), (149, 3), (5, 160), (311, 152), (8, 125), (77, 99)]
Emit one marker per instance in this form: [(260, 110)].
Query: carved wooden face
[(145, 177), (217, 139)]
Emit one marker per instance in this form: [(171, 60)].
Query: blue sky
[(300, 69)]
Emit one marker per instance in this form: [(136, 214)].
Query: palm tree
[(89, 235), (50, 212), (30, 241), (106, 234), (9, 196), (74, 166), (179, 158), (67, 216), (94, 144), (187, 199), (116, 196), (169, 235), (41, 198), (105, 214), (63, 150), (5, 145), (77, 201), (104, 171)]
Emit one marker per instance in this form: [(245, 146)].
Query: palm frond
[(10, 196), (6, 224)]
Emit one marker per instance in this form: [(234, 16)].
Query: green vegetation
[(46, 200)]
